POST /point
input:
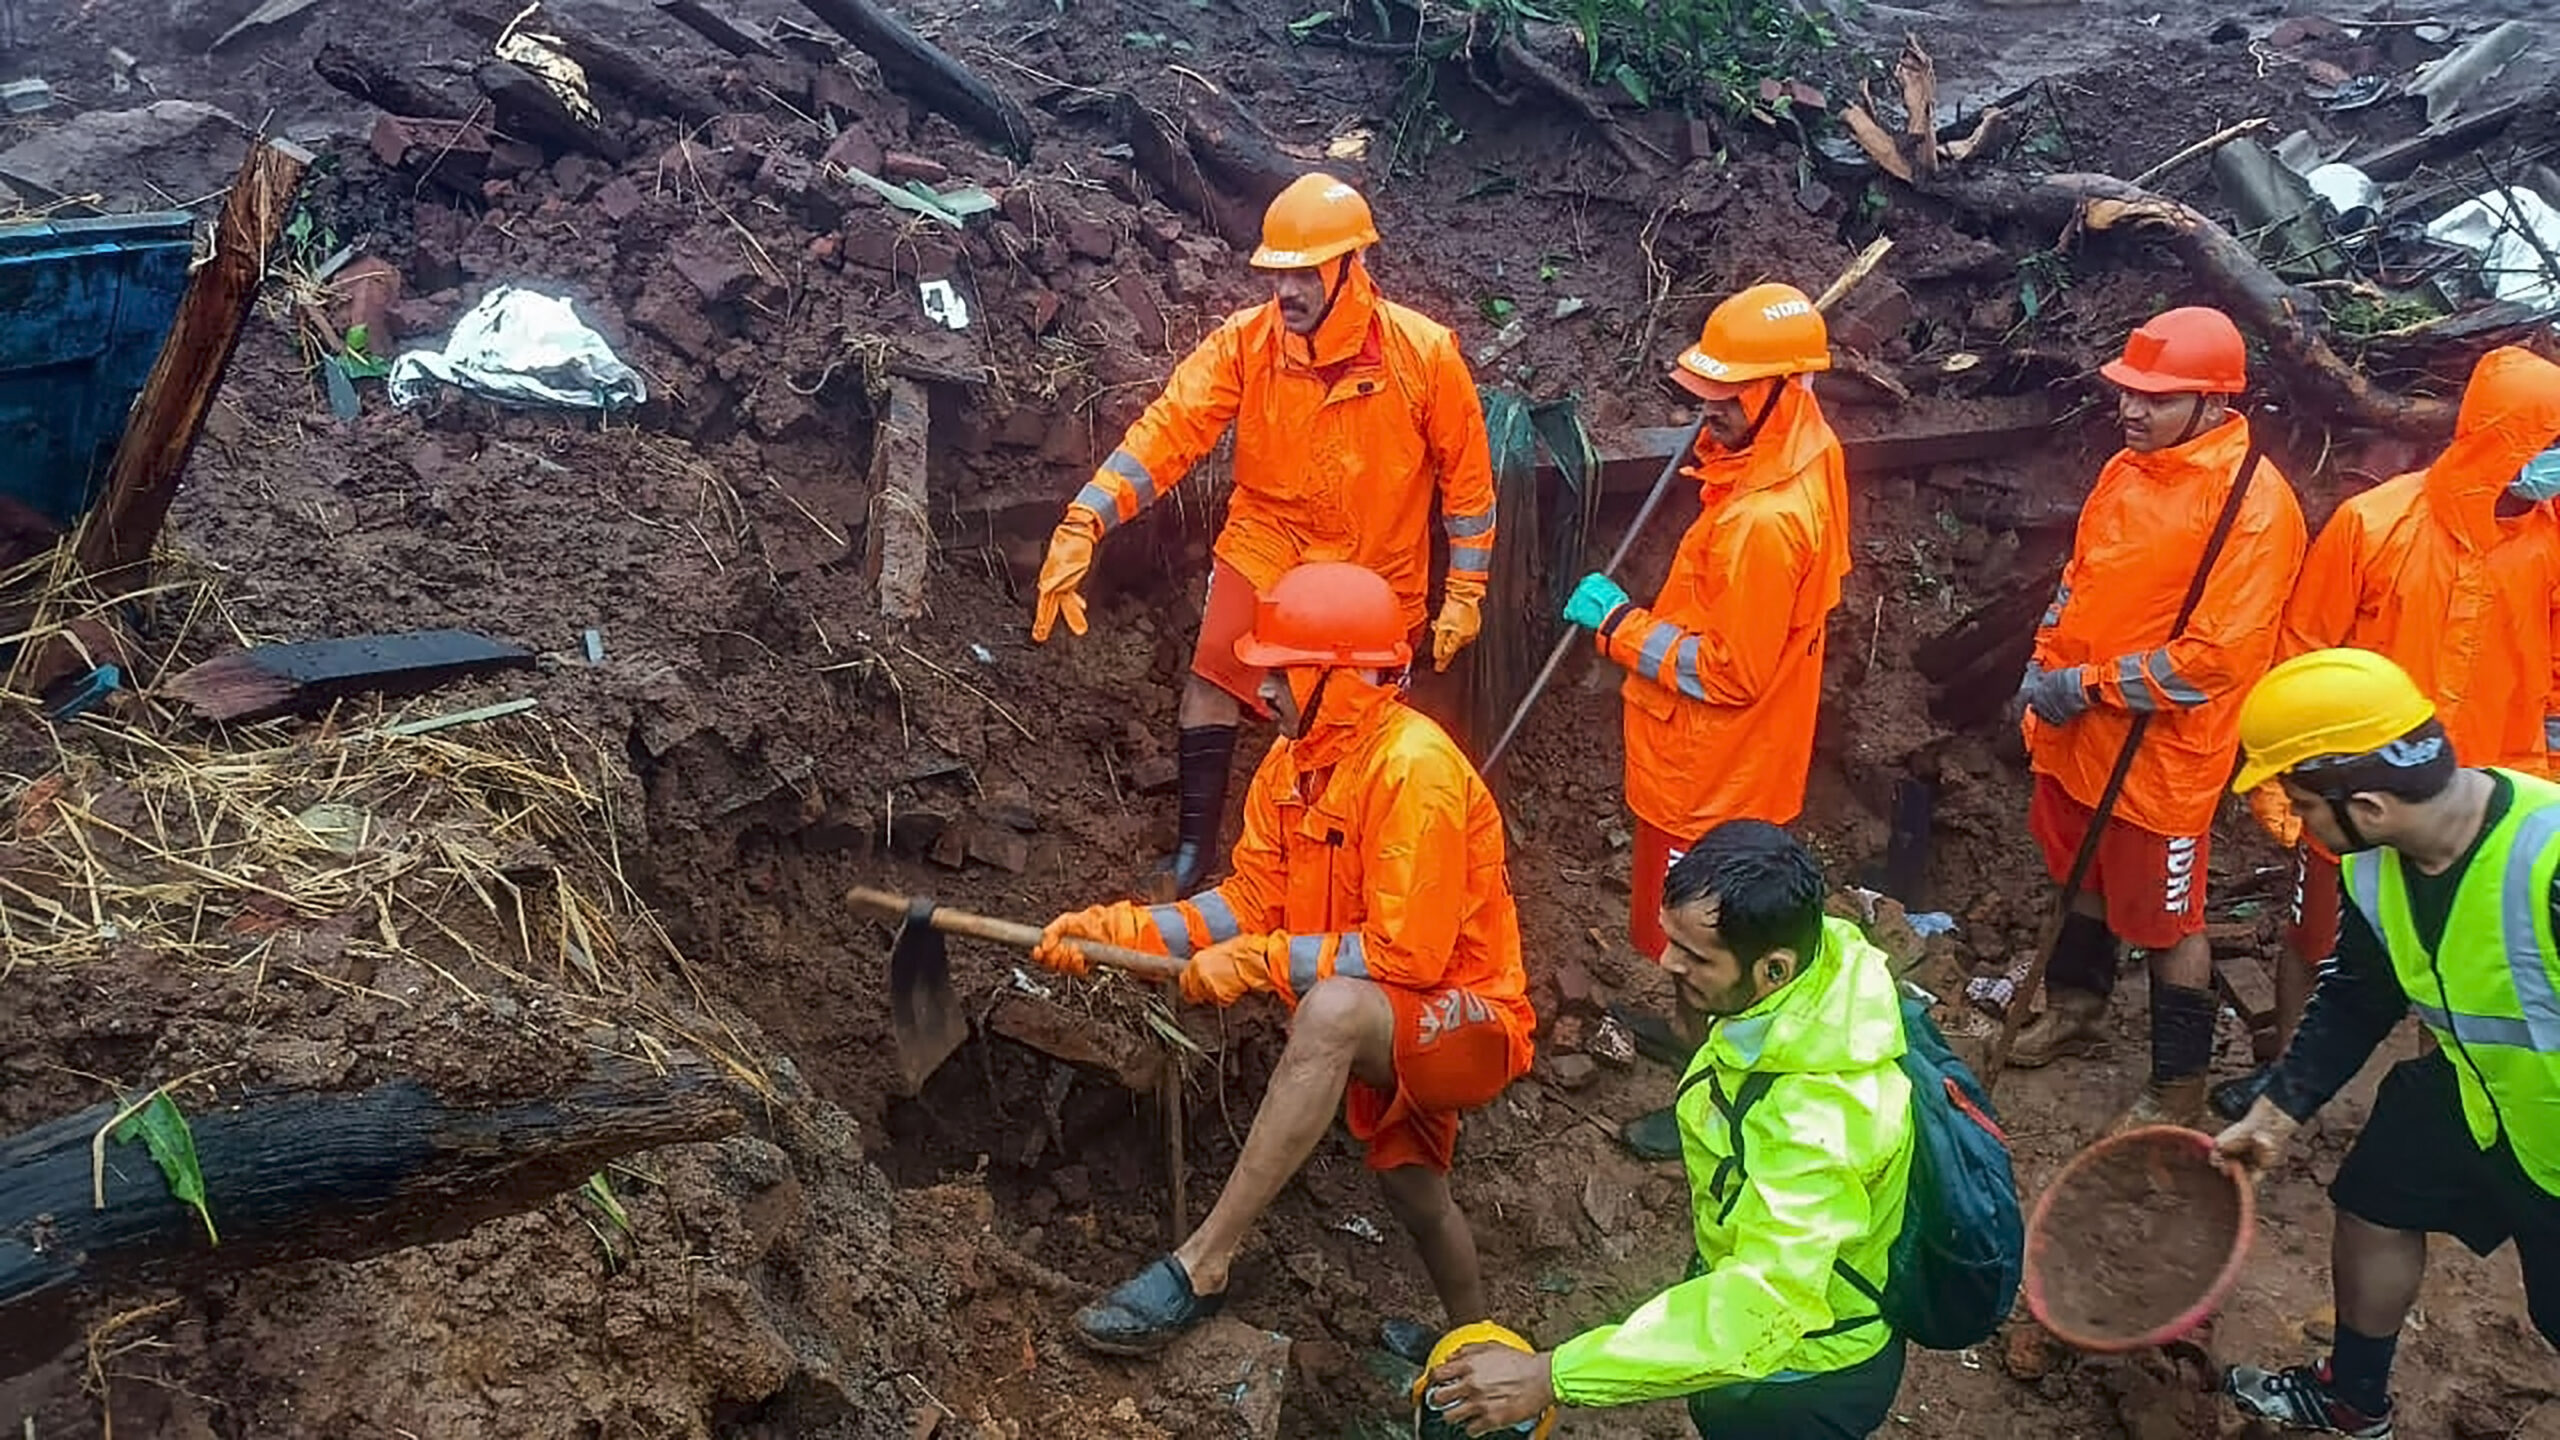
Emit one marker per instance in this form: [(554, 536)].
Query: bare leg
[(2377, 1273), (1343, 1027), (2188, 963), (1420, 1198), (1204, 704), (2295, 977)]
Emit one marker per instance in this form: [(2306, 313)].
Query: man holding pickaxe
[(1350, 412), (2166, 615), (1725, 667), (1368, 896)]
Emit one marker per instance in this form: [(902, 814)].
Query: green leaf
[(1499, 308), (2030, 300), (1633, 83), (1306, 25), (162, 1128), (362, 367), (358, 336), (599, 1188)]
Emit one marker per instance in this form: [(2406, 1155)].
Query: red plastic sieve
[(2137, 1241)]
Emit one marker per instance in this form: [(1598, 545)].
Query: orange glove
[(1460, 620), (2274, 814), (1232, 969), (1119, 923), (1062, 573)]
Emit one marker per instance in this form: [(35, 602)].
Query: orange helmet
[(1765, 330), (1315, 219), (1329, 612), (2192, 350)]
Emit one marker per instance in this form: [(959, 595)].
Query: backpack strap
[(1734, 1169)]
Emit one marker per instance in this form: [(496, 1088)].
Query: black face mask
[(1768, 407)]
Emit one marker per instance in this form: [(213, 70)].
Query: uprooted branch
[(2289, 318)]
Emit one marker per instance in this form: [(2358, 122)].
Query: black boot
[(1206, 754)]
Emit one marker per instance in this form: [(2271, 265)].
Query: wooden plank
[(2245, 984), (2016, 425), (305, 1175), (307, 676), (116, 540), (901, 526)]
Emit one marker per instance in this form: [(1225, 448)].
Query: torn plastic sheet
[(2516, 234), (522, 347)]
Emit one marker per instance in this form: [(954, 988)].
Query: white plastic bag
[(521, 347)]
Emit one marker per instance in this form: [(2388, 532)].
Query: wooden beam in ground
[(2014, 426), (918, 67), (116, 540), (378, 84), (901, 523), (303, 1176)]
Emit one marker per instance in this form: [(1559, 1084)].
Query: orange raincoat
[(2423, 569), (1372, 843), (2142, 534), (1339, 438), (1727, 662)]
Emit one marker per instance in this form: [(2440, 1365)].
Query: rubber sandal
[(1653, 1137), (1655, 1038), (1407, 1340), (1147, 1312)]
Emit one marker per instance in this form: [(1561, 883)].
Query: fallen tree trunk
[(607, 64), (715, 27), (300, 1176), (379, 85), (917, 66), (2290, 319), (1211, 156)]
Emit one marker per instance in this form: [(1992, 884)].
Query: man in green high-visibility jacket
[(1795, 1126), (2451, 913)]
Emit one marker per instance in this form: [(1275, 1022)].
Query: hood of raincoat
[(1791, 441), (1345, 329), (1841, 1013), (2510, 413), (1350, 711)]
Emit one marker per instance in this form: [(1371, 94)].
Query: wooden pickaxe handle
[(1013, 933)]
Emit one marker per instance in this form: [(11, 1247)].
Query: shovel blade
[(925, 1019)]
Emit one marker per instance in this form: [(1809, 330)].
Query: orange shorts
[(1656, 850), (2153, 885), (1224, 619), (1453, 1052), (2311, 930)]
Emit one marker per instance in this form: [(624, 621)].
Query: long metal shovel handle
[(1573, 633)]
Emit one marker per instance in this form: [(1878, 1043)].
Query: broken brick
[(1090, 238), (1158, 233), (951, 851), (1003, 849), (363, 294), (577, 175), (1045, 306), (1880, 314), (855, 150), (676, 320), (453, 154), (794, 183), (870, 245), (720, 275), (1147, 318), (904, 165), (1155, 774), (620, 200)]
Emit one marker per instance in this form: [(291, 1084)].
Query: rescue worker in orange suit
[(2454, 572), (1725, 667), (2104, 655), (1348, 409), (1369, 896)]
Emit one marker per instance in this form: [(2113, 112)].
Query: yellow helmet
[(2328, 702), (1427, 1423)]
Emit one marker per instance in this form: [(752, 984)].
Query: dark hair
[(2416, 767), (1767, 888)]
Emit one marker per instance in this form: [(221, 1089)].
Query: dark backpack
[(1952, 1274)]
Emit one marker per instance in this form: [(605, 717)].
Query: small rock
[(719, 274), (619, 199), (950, 850), (855, 150), (1573, 982), (1158, 234), (1155, 774), (904, 165), (2026, 1351), (1573, 1071), (1566, 1033), (1131, 288), (1090, 238), (1003, 849), (1612, 1042), (834, 88), (1045, 306), (794, 183)]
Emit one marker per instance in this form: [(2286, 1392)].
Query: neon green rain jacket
[(1825, 1155)]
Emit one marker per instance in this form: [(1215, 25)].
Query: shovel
[(925, 1018)]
